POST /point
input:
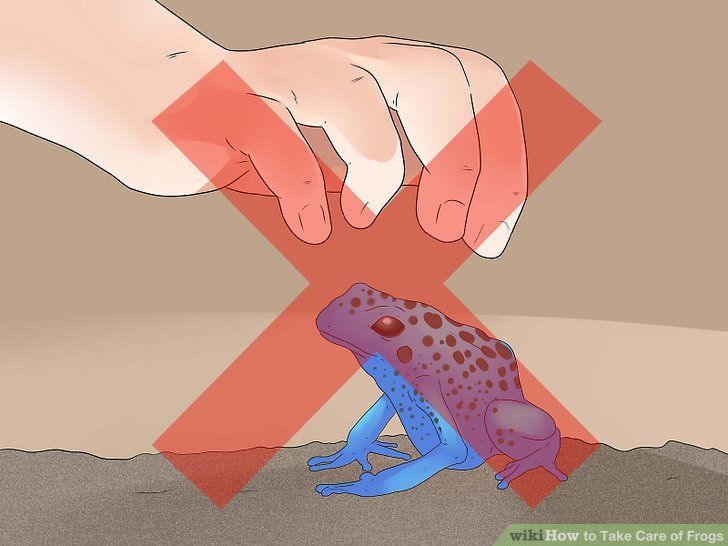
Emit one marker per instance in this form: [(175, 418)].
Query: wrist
[(93, 77)]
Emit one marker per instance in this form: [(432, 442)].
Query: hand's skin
[(92, 76)]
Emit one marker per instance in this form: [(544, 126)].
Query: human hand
[(113, 71), (474, 182)]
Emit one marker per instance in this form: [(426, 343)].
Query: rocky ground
[(59, 497)]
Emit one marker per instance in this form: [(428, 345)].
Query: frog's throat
[(346, 345)]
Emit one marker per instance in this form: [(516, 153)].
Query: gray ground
[(57, 497)]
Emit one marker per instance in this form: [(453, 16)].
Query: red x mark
[(289, 372)]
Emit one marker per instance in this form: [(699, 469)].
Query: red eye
[(388, 327)]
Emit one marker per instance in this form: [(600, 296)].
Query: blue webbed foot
[(353, 452)]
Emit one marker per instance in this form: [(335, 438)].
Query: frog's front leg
[(450, 451), (362, 440)]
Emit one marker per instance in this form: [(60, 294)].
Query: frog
[(455, 389)]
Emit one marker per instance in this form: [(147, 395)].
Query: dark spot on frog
[(427, 341), (458, 357), (503, 350), (355, 302), (503, 384), (466, 336), (404, 354), (436, 356), (433, 320), (450, 340), (488, 352), (502, 371), (482, 364), (482, 335), (413, 320), (409, 304)]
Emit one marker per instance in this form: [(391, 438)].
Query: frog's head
[(366, 321)]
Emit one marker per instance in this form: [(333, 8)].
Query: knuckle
[(441, 61), (374, 41), (487, 70)]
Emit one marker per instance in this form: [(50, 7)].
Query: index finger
[(283, 159)]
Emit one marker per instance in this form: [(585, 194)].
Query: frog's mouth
[(346, 345)]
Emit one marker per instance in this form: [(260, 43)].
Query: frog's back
[(473, 368)]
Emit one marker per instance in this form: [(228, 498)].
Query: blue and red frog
[(445, 381)]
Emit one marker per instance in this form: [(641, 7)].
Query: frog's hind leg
[(525, 433)]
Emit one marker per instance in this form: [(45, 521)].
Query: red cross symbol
[(289, 372)]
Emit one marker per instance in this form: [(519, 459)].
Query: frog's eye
[(388, 327)]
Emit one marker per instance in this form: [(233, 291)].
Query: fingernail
[(495, 243), (495, 238), (314, 224), (450, 220), (358, 213)]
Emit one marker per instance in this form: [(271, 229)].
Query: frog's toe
[(389, 452), (507, 471), (329, 489), (503, 485), (364, 462), (315, 461), (551, 467)]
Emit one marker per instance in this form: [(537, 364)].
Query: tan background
[(107, 293)]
